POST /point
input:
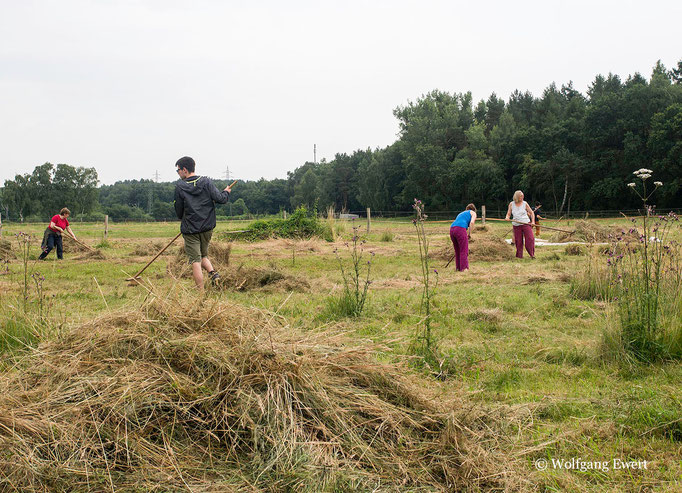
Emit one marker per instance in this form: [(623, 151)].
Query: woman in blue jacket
[(459, 234)]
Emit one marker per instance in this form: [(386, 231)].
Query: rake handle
[(534, 224), (155, 257)]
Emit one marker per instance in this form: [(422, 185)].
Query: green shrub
[(301, 224), (387, 235)]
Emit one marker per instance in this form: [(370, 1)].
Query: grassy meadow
[(523, 360)]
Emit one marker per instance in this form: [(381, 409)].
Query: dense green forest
[(572, 151)]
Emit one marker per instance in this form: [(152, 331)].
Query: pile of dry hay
[(592, 232), (6, 252), (247, 278), (482, 247), (91, 255), (217, 398), (242, 278), (71, 246)]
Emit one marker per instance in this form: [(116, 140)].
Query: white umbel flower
[(632, 185), (658, 183), (645, 176)]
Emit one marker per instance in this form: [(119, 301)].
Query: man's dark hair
[(537, 204), (187, 163)]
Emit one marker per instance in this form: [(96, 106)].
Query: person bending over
[(195, 199), (53, 234), (460, 234)]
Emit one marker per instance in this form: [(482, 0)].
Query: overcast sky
[(128, 87)]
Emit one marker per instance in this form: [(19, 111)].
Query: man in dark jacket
[(195, 198)]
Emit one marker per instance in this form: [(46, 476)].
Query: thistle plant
[(425, 335), (356, 279), (646, 269)]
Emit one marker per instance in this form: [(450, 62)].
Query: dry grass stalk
[(214, 397)]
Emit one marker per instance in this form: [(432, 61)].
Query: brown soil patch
[(395, 283)]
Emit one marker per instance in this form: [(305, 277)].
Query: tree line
[(566, 149)]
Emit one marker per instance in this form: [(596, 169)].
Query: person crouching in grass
[(460, 233), (53, 234), (195, 199)]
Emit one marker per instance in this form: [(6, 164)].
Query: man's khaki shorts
[(196, 245)]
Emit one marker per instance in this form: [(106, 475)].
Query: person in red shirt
[(53, 234)]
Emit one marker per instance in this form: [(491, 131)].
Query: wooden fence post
[(285, 215), (106, 226), (369, 220), (483, 215), (0, 224)]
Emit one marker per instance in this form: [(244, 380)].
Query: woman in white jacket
[(523, 220)]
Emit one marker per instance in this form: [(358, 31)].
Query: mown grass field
[(521, 353)]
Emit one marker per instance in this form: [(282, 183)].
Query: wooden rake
[(137, 276)]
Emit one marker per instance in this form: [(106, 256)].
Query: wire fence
[(501, 213), (389, 215)]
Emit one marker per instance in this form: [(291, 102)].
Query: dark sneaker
[(215, 277)]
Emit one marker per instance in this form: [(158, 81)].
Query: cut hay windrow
[(71, 246), (91, 255), (148, 249), (245, 278), (240, 278), (217, 398), (593, 232), (6, 252), (483, 247)]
